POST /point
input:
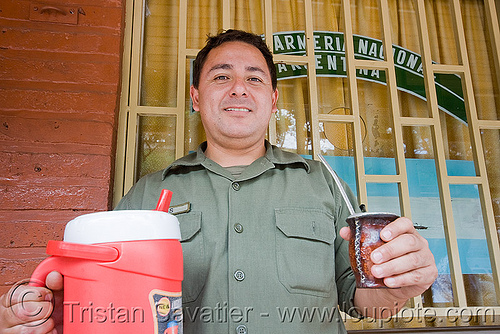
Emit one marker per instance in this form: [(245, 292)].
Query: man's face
[(235, 97)]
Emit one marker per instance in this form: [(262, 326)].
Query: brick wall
[(59, 90)]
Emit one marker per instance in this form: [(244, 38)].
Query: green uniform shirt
[(262, 252)]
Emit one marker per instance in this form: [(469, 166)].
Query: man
[(261, 236)]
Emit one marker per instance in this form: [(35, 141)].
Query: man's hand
[(404, 262), (33, 309)]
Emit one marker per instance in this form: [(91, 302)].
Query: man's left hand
[(404, 261)]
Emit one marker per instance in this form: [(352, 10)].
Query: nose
[(239, 88)]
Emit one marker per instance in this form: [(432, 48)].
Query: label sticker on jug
[(167, 311)]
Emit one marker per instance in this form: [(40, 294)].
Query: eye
[(221, 77), (254, 79)]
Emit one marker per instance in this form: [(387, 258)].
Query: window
[(402, 97)]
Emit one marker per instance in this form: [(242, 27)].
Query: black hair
[(233, 35)]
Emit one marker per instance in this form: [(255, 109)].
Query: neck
[(228, 156)]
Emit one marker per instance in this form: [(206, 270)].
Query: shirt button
[(238, 228), (239, 275), (241, 329), (236, 186)]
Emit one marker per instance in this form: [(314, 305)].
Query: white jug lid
[(125, 225)]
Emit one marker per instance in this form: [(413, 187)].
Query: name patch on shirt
[(181, 208)]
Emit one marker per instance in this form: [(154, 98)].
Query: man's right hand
[(28, 309)]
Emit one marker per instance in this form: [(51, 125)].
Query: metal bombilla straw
[(344, 194), (357, 234), (339, 184)]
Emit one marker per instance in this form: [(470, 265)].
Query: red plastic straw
[(164, 201)]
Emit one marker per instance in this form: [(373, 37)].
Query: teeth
[(237, 109)]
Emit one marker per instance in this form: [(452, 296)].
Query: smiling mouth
[(238, 109)]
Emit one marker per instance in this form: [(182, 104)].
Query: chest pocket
[(305, 250), (193, 251)]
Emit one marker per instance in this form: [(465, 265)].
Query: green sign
[(331, 62)]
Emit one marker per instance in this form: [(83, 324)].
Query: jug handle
[(82, 251), (44, 268), (62, 250)]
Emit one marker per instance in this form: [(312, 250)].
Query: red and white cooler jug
[(122, 273)]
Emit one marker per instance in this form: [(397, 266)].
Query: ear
[(194, 93), (275, 100)]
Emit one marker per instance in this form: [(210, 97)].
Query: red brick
[(40, 26), (30, 147), (54, 197), (13, 9), (34, 228), (44, 182), (18, 264), (55, 130), (30, 233), (22, 254), (50, 56), (59, 42), (58, 86), (99, 14), (57, 114), (32, 167), (41, 216), (61, 72), (111, 17), (83, 105)]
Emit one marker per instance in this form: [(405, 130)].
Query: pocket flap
[(306, 223), (190, 224)]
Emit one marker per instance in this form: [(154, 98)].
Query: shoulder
[(144, 194)]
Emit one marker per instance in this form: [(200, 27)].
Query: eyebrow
[(225, 66), (255, 69), (221, 66)]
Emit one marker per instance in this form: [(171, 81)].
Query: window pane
[(408, 60), (333, 96), (327, 15), (337, 139), (426, 209), (248, 15), (410, 105), (156, 146), (383, 197), (159, 54), (458, 149), (484, 69), (376, 116), (472, 245), (293, 127), (454, 126), (194, 133), (288, 15), (337, 146), (491, 147), (366, 22), (441, 30), (203, 17)]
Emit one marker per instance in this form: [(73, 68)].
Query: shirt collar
[(279, 157), (274, 155)]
